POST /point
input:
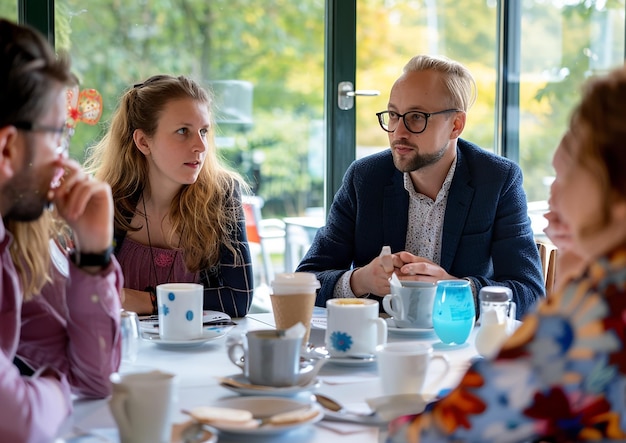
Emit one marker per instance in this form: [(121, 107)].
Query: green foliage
[(277, 46), (8, 9)]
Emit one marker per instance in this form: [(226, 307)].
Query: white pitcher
[(142, 405)]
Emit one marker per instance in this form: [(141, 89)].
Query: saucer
[(261, 390), (414, 332), (208, 334), (391, 406), (441, 346), (150, 323), (322, 352), (352, 361), (263, 407)]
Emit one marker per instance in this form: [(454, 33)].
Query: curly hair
[(598, 123), (203, 208)]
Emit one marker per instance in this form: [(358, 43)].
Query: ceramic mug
[(403, 367), (142, 405), (180, 310), (267, 358), (411, 305), (353, 327)]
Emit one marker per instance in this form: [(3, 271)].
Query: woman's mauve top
[(135, 259), (227, 288)]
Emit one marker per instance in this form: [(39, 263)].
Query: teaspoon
[(335, 406)]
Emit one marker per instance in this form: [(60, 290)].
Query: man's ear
[(141, 141), (10, 153), (458, 124)]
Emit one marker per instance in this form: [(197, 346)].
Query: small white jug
[(142, 405)]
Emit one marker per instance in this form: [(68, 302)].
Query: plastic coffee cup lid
[(296, 279)]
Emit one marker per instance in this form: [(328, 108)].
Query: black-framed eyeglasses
[(66, 132), (414, 121)]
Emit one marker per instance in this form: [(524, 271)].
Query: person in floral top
[(562, 376)]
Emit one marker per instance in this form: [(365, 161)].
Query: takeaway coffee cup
[(293, 298), (353, 327), (180, 310), (411, 305)]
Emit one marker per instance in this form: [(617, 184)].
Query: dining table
[(198, 371)]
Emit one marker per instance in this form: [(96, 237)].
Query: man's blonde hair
[(456, 78)]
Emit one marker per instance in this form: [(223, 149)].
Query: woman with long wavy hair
[(178, 212)]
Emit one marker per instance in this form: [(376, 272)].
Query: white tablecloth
[(198, 369)]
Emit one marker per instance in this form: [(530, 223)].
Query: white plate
[(208, 334), (414, 332), (268, 390), (262, 407)]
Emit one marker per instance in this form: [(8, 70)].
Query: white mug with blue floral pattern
[(353, 327)]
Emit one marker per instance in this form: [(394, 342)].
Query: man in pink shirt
[(63, 333)]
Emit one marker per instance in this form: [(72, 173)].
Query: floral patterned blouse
[(561, 377)]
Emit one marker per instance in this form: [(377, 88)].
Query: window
[(264, 62), (549, 48), (272, 62)]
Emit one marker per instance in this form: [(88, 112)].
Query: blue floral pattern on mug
[(341, 341), (189, 315), (165, 309), (171, 296)]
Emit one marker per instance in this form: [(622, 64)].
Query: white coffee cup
[(353, 327), (411, 305), (403, 367), (142, 404), (180, 310)]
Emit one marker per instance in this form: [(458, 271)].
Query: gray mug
[(411, 305), (269, 358)]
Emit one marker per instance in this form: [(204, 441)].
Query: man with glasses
[(59, 315), (446, 208)]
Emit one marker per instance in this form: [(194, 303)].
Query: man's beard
[(417, 161), (27, 201)]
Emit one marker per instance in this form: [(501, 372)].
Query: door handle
[(346, 94)]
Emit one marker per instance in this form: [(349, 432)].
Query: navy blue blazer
[(486, 230)]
